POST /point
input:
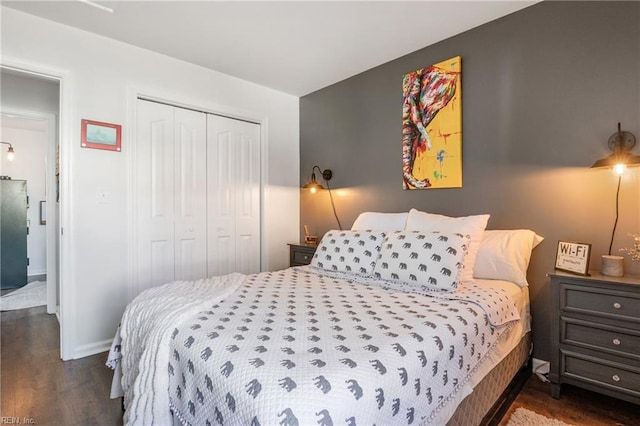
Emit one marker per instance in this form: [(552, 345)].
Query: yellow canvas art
[(432, 126)]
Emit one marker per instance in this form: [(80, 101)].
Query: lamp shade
[(622, 158), (313, 185), (621, 144)]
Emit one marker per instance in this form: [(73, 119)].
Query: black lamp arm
[(326, 174)]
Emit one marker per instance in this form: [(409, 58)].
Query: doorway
[(30, 122)]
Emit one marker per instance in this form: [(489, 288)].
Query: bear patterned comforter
[(304, 346)]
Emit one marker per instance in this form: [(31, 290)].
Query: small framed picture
[(98, 135), (573, 257)]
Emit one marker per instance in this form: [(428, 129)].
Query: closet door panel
[(220, 198), (160, 263), (221, 258), (233, 195), (155, 177), (248, 197), (190, 163), (246, 245)]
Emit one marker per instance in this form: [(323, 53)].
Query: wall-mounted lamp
[(11, 154), (621, 144), (313, 186)]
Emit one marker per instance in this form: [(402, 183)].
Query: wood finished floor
[(576, 406), (36, 384)]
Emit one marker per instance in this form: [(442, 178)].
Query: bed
[(382, 328)]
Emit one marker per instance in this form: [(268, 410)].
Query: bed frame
[(492, 397)]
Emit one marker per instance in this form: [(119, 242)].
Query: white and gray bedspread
[(303, 346)]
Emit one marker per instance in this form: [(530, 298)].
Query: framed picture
[(43, 212), (98, 135), (573, 257), (432, 126)]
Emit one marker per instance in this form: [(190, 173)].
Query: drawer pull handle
[(306, 257), (616, 342), (616, 378), (617, 305)]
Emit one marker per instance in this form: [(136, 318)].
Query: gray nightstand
[(595, 334), (301, 254)]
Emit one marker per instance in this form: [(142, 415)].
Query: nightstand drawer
[(609, 339), (602, 373), (302, 256), (601, 302)]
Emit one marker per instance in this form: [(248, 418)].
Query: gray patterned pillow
[(430, 259), (348, 251)]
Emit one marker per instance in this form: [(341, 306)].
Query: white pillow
[(348, 251), (431, 260), (505, 254), (380, 221), (473, 226)]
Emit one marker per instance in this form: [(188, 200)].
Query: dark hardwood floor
[(576, 406), (37, 385)]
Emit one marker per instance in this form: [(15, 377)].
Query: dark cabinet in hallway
[(13, 233)]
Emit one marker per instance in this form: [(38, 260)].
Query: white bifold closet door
[(171, 178), (198, 195), (233, 195)]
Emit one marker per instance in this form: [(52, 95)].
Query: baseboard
[(37, 276), (92, 349)]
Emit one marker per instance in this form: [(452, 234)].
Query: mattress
[(516, 345), (270, 282)]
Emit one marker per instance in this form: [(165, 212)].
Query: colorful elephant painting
[(432, 127)]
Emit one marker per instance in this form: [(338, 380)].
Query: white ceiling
[(296, 47)]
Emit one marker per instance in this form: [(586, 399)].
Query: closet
[(197, 179)]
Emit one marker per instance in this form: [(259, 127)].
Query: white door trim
[(67, 313), (52, 230), (181, 101)]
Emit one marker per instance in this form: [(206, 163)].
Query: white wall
[(29, 164), (99, 76)]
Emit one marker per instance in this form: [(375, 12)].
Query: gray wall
[(543, 89)]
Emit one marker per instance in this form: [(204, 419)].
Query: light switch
[(103, 197)]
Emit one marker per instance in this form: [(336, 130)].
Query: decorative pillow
[(432, 259), (505, 254), (473, 226), (380, 221), (348, 251)]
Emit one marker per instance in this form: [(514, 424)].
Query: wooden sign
[(573, 257)]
